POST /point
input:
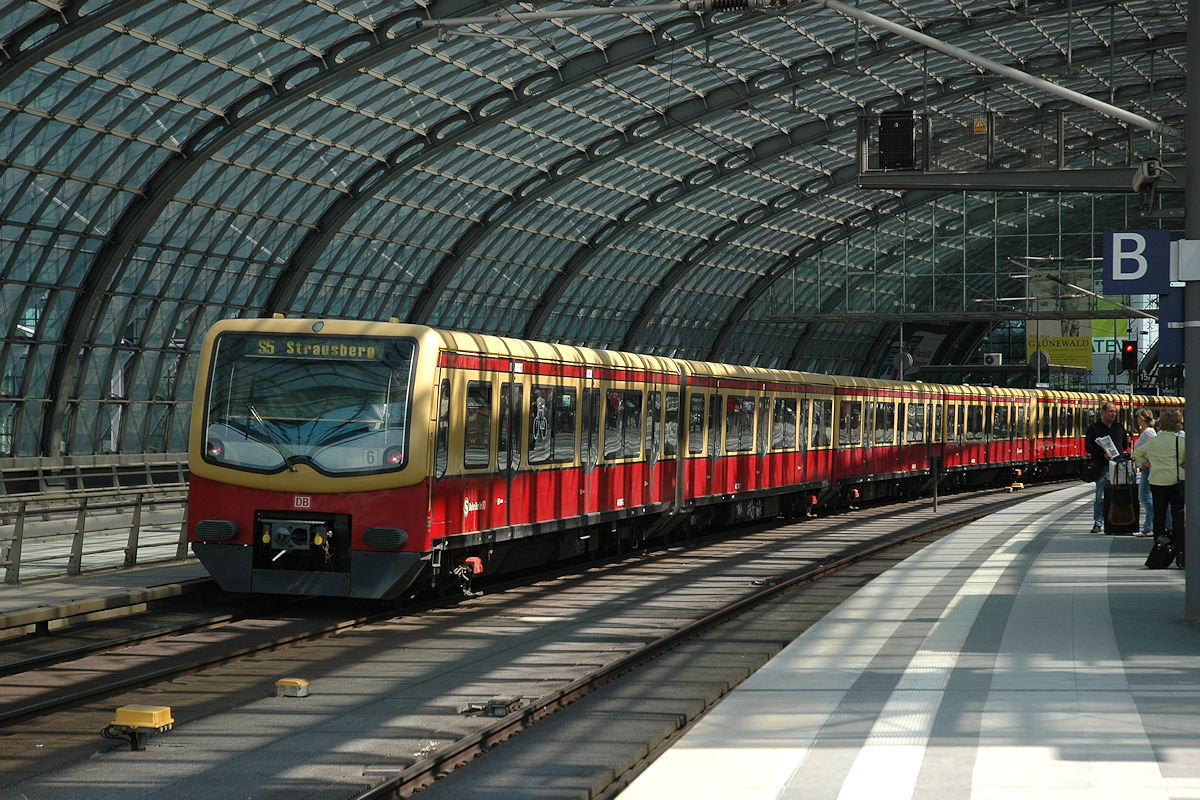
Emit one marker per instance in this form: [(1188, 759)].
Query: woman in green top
[(1165, 455)]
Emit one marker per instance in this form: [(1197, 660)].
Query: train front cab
[(343, 515)]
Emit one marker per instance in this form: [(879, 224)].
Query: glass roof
[(666, 182)]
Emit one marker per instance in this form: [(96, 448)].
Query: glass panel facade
[(669, 183)]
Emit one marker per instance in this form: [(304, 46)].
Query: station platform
[(1019, 656), (43, 601)]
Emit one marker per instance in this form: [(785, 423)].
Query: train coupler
[(467, 569)]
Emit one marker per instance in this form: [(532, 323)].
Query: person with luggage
[(1145, 423), (1106, 425), (1165, 455)]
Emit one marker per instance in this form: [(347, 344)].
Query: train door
[(910, 433), (884, 453), (508, 451), (652, 446), (696, 466), (1022, 443), (935, 420), (735, 463), (997, 431), (952, 442), (713, 472), (482, 485), (850, 460), (672, 467), (554, 483), (622, 471), (974, 435), (818, 461), (589, 443), (781, 454), (441, 505), (765, 473)]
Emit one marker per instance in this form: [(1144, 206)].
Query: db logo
[(300, 501)]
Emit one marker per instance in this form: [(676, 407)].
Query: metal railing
[(67, 527)]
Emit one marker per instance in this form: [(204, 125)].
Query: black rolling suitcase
[(1121, 505)]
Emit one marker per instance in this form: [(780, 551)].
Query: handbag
[(1161, 553)]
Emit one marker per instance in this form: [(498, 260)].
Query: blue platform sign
[(1137, 262), (1170, 331)]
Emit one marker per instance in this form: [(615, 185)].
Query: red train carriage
[(375, 459)]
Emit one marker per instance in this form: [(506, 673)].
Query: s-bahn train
[(378, 459)]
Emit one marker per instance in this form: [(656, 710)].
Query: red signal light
[(1129, 355)]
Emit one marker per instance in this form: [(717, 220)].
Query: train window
[(885, 423), (509, 442), (953, 434), (936, 435), (974, 421), (850, 422), (1000, 423), (714, 426), (623, 424), (1021, 426), (477, 441), (653, 426), (783, 424), (671, 425), (914, 423), (590, 428), (339, 404), (739, 424), (551, 425), (822, 423), (442, 446), (696, 423)]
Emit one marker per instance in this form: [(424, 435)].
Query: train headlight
[(318, 540), (266, 538)]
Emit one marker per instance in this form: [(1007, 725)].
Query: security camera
[(1147, 173)]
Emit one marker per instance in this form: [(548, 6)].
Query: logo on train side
[(469, 506), (301, 501)]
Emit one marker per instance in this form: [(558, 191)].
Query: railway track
[(436, 777), (553, 643)]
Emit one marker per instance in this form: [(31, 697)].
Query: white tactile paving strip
[(1017, 657)]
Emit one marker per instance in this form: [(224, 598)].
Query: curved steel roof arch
[(488, 112), (239, 117)]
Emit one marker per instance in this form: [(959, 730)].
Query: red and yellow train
[(375, 459)]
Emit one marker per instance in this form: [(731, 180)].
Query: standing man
[(1107, 425)]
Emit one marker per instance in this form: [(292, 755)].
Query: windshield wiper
[(287, 460)]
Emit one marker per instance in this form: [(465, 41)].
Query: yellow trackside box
[(139, 716)]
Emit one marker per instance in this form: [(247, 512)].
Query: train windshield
[(339, 404)]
